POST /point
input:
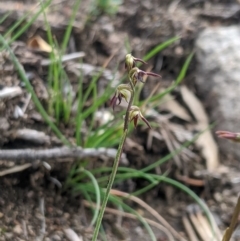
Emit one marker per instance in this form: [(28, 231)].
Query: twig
[(43, 228), (67, 57), (25, 232), (56, 153), (15, 169)]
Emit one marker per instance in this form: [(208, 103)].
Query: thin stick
[(43, 229), (56, 153), (15, 169)]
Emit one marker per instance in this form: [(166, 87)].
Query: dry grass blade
[(132, 216), (205, 225), (205, 141), (15, 169), (201, 225), (173, 106), (189, 229), (150, 210), (198, 227), (167, 138)]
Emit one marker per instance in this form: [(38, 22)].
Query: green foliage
[(106, 6), (59, 84)]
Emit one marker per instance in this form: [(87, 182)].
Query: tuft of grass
[(59, 85)]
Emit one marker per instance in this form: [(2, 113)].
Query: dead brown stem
[(56, 153)]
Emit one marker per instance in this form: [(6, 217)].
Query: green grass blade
[(153, 178), (30, 22), (108, 138), (70, 26), (96, 192), (184, 69), (159, 48), (34, 96), (180, 77), (79, 119), (16, 25), (4, 17)]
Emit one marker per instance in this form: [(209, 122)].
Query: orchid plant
[(133, 113)]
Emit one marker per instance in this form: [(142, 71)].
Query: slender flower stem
[(132, 113), (109, 186), (115, 166)]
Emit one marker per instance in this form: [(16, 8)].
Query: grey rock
[(56, 237), (218, 79)]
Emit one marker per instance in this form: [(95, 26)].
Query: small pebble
[(17, 229), (56, 237)]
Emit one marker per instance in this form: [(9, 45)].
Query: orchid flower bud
[(135, 75), (135, 114), (229, 135), (122, 91), (130, 62)]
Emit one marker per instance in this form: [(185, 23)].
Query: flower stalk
[(133, 113)]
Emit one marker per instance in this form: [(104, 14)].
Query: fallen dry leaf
[(38, 43), (170, 104), (206, 141)]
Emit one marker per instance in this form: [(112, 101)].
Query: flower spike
[(135, 114)]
